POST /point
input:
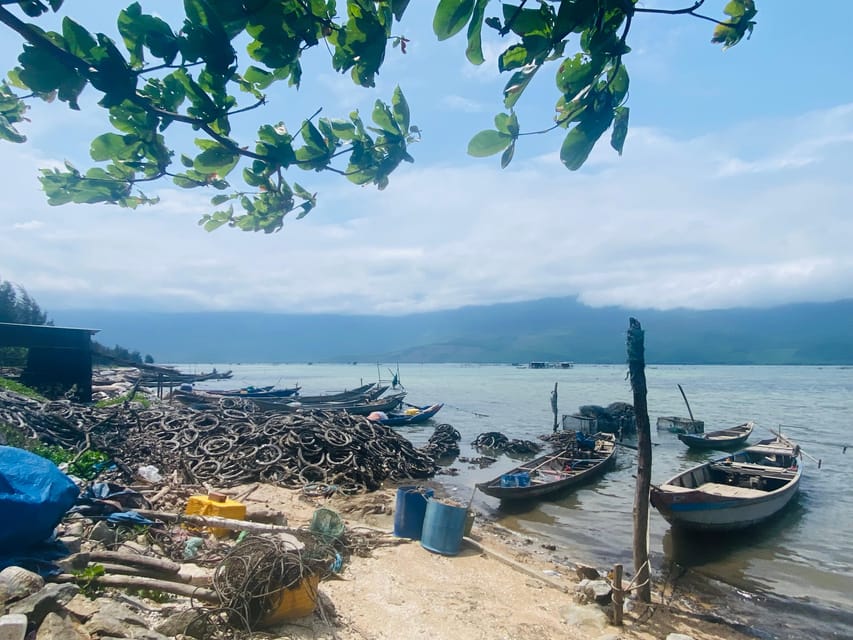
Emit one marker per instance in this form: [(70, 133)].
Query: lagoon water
[(791, 578)]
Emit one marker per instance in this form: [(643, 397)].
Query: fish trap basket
[(327, 524)]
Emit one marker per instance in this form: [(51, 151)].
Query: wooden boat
[(555, 472), (356, 407), (722, 439), (413, 415), (257, 392), (674, 424), (362, 393), (733, 492)]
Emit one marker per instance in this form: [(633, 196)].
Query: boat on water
[(412, 415), (735, 491), (356, 407), (731, 438), (365, 392), (257, 392), (674, 424), (585, 459)]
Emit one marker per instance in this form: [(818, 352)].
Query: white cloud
[(459, 103), (663, 226)]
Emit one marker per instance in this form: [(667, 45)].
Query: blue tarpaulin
[(34, 496)]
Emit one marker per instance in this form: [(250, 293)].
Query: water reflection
[(730, 556)]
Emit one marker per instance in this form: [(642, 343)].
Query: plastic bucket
[(409, 511), (444, 526)]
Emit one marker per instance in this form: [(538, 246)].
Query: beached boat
[(733, 492), (674, 424), (412, 415), (580, 462), (722, 439), (356, 407)]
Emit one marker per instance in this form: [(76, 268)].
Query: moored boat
[(412, 415), (356, 407), (580, 462), (733, 492), (722, 439)]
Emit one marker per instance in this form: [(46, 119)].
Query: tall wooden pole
[(637, 372), (554, 405)]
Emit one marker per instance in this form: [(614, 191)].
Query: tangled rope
[(234, 443), (497, 441)]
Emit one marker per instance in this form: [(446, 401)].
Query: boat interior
[(755, 471)]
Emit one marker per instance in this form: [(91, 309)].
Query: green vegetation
[(20, 389), (86, 579), (86, 465), (163, 77), (125, 397)]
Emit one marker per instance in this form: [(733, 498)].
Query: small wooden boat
[(412, 415), (733, 492), (356, 407), (257, 392), (555, 472), (722, 439), (364, 392)]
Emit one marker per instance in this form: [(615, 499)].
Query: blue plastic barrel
[(409, 511), (444, 526)]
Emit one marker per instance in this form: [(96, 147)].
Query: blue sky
[(734, 189)]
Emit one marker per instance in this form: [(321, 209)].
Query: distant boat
[(733, 492), (257, 392), (538, 364), (721, 439), (555, 472)]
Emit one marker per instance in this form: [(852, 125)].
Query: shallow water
[(791, 574)]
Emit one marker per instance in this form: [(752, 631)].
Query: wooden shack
[(57, 357)]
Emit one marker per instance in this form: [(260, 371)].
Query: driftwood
[(222, 523), (127, 570), (134, 559), (140, 582)]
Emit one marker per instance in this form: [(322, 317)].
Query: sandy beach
[(500, 586)]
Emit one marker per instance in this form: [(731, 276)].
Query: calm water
[(793, 577)]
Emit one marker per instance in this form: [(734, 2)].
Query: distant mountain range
[(554, 329)]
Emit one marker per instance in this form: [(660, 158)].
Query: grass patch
[(21, 389), (111, 402)]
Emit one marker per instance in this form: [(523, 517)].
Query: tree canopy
[(218, 63)]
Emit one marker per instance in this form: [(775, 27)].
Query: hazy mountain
[(552, 329)]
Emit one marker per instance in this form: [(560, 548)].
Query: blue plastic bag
[(34, 496)]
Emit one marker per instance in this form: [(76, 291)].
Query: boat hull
[(698, 514), (734, 492), (718, 440)]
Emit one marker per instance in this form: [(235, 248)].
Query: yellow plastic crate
[(216, 505)]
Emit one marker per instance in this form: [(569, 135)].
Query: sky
[(735, 188)]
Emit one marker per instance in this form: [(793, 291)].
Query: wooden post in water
[(554, 405), (618, 595), (637, 373)]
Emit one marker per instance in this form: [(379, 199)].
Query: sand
[(500, 586)]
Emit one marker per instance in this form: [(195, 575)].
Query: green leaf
[(8, 132), (517, 84), (474, 50), (525, 21), (506, 157), (514, 57), (451, 16), (106, 147), (507, 123), (620, 128), (78, 41), (582, 138), (488, 142), (382, 116), (218, 159), (618, 83), (401, 109)]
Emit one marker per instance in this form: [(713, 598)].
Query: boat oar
[(779, 435), (683, 395)]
